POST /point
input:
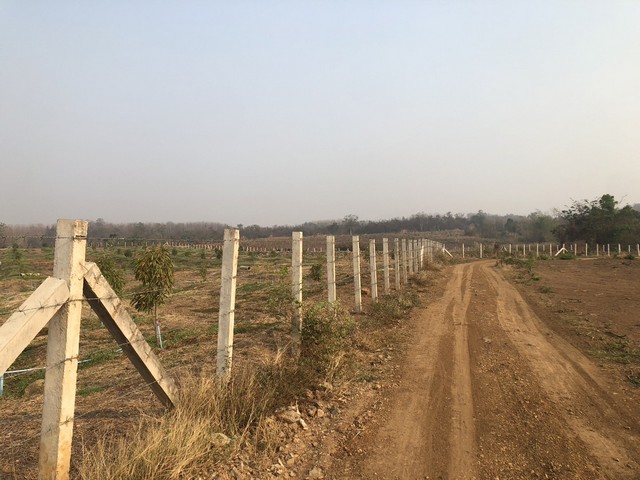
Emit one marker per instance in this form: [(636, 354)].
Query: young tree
[(154, 269), (112, 274)]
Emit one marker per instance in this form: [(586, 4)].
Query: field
[(111, 396), (523, 370)]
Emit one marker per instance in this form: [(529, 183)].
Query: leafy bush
[(327, 337), (394, 306), (111, 273), (316, 272), (280, 302)]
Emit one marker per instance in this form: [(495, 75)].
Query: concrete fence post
[(385, 265), (481, 250), (396, 262), (331, 268), (374, 270), (356, 273), (410, 256), (405, 267), (62, 353), (226, 312), (296, 288)]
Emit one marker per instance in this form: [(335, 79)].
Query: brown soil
[(489, 391), (500, 376)]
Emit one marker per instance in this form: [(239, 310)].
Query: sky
[(282, 112)]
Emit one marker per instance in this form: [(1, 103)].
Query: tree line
[(602, 220)]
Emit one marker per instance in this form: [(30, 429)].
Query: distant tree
[(539, 227), (510, 226), (154, 269), (3, 235), (333, 228), (599, 221), (350, 223)]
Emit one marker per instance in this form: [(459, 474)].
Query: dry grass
[(185, 441)]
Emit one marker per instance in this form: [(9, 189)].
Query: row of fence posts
[(409, 255), (59, 299), (526, 249)]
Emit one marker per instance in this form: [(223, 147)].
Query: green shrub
[(327, 337), (280, 302), (394, 306), (111, 273), (316, 272)]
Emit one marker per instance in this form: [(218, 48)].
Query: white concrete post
[(62, 354), (356, 272), (374, 270), (396, 261), (537, 250), (509, 249), (331, 268), (619, 249), (586, 249), (608, 249), (410, 256), (227, 301), (463, 250), (481, 250), (416, 267), (405, 273), (385, 265), (414, 254), (296, 287)]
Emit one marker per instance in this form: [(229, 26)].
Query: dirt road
[(489, 392)]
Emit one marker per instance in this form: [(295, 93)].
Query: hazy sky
[(278, 112)]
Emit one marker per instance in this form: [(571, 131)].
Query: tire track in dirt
[(462, 452), (425, 421), (570, 380), (488, 392)]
